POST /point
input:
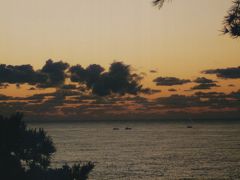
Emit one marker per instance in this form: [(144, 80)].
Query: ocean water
[(149, 151)]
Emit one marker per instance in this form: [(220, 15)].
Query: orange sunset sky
[(180, 40)]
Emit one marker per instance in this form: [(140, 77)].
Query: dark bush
[(25, 154)]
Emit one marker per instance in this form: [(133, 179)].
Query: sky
[(180, 40)]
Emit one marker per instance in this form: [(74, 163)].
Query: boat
[(190, 126)]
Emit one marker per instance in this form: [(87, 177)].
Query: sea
[(148, 150)]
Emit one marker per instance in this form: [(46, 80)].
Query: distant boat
[(115, 129), (190, 126), (128, 128)]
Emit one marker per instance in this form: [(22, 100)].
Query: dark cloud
[(210, 100), (172, 90), (89, 75), (18, 86), (3, 85), (227, 73), (150, 91), (55, 72), (119, 79), (39, 97), (21, 74), (235, 95), (204, 83), (179, 101), (4, 97), (52, 74), (8, 108), (210, 94), (170, 81), (97, 91), (153, 71), (63, 101), (32, 89), (203, 80), (69, 86), (204, 86), (57, 94), (220, 100)]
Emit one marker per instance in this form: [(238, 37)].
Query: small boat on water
[(128, 128), (190, 126), (115, 129)]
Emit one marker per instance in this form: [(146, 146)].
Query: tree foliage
[(158, 3), (232, 20), (26, 153)]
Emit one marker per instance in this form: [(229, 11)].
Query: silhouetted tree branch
[(158, 3), (232, 20)]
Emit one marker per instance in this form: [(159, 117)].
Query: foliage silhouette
[(232, 20), (26, 153), (231, 24), (158, 3)]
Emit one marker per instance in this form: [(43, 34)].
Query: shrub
[(26, 153)]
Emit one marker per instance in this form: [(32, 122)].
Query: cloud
[(8, 108), (4, 97), (172, 90), (203, 80), (153, 71), (150, 91), (31, 88), (21, 74), (209, 100), (18, 86), (179, 101), (204, 86), (210, 94), (235, 95), (3, 85), (55, 72), (204, 83), (69, 86), (69, 102), (227, 73), (52, 74), (105, 91), (118, 79), (89, 75), (170, 81)]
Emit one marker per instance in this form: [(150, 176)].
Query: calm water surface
[(150, 150)]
